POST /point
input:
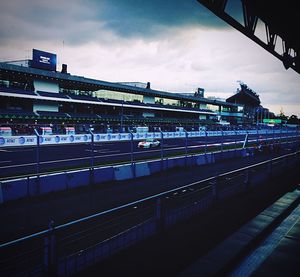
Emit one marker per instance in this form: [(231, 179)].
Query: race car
[(148, 143)]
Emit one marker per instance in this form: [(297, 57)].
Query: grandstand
[(254, 112), (35, 93)]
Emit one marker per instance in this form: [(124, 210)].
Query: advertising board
[(43, 60)]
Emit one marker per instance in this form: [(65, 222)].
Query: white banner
[(86, 138)]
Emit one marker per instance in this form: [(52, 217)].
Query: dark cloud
[(146, 18), (41, 20), (81, 21)]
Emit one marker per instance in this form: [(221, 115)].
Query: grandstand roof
[(245, 96), (69, 81)]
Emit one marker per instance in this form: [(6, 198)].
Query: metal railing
[(68, 248), (42, 165)]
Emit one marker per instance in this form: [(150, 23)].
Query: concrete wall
[(33, 186)]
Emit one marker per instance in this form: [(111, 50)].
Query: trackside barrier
[(78, 178), (142, 169), (131, 222), (180, 162), (170, 163), (155, 166), (103, 174), (201, 159), (225, 155), (14, 189), (218, 156), (178, 214), (52, 183), (228, 185), (72, 264), (36, 185), (229, 154), (190, 161), (244, 152), (7, 141), (123, 172), (210, 158), (33, 186), (239, 153)]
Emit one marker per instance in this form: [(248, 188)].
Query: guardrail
[(68, 248), (14, 188), (6, 141)]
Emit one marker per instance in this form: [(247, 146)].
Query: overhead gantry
[(280, 18)]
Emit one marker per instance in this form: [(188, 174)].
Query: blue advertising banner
[(43, 60)]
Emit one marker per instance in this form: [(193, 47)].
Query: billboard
[(43, 60), (272, 121)]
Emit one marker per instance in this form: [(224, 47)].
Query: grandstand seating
[(90, 98), (135, 103), (51, 94), (112, 112), (91, 118), (18, 91), (83, 97), (17, 114), (111, 101), (94, 99), (52, 114), (83, 116)]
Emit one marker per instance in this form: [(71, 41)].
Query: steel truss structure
[(279, 17)]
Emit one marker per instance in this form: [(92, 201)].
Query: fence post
[(92, 149), (186, 146), (37, 161), (205, 147), (37, 152), (91, 182), (50, 254), (235, 142), (161, 152), (162, 146), (131, 149), (245, 140), (222, 142)]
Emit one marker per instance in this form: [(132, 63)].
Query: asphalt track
[(17, 161), (24, 217)]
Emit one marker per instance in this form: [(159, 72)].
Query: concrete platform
[(268, 245)]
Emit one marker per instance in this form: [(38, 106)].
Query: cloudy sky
[(177, 45)]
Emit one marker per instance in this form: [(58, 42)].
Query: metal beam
[(250, 19), (248, 29), (271, 38)]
